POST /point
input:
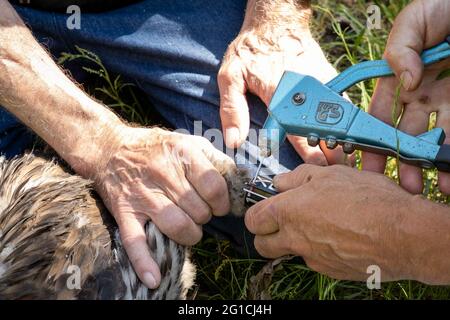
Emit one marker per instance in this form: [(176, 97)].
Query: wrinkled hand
[(421, 25), (168, 178), (255, 64), (340, 220)]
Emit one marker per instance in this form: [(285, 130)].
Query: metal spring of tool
[(259, 188)]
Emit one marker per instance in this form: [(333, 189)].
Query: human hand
[(420, 25), (255, 62), (341, 221), (168, 178)]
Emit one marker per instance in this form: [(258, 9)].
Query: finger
[(266, 217), (403, 51), (414, 121), (301, 175), (209, 184), (434, 96), (262, 218), (272, 246), (178, 189), (373, 162), (333, 156), (411, 34), (234, 112), (381, 108), (443, 121), (312, 155), (132, 234), (190, 202), (172, 220)]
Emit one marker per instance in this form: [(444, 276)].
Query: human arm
[(274, 37), (341, 221), (141, 174)]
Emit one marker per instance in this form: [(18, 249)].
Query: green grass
[(342, 33)]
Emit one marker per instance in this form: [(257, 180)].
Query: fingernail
[(149, 280), (406, 79), (233, 135)]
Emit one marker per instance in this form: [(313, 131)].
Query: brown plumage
[(51, 224)]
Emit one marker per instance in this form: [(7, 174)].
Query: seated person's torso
[(85, 5)]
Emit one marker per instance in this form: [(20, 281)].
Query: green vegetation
[(340, 27)]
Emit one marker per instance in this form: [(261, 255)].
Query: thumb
[(301, 175), (403, 50), (234, 112), (421, 25)]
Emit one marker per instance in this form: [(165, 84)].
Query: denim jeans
[(172, 49)]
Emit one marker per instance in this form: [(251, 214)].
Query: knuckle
[(204, 142), (213, 193), (230, 74), (224, 76), (184, 231), (396, 57), (261, 247), (228, 109), (136, 261), (203, 216), (130, 240), (215, 187), (197, 209), (127, 242), (177, 227), (389, 53)]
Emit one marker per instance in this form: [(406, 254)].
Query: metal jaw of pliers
[(303, 106), (260, 188)]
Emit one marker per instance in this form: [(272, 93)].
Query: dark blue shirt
[(85, 5)]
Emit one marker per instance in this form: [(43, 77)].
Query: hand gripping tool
[(303, 106)]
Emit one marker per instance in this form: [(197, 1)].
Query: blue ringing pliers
[(303, 106)]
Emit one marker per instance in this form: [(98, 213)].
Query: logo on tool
[(329, 113)]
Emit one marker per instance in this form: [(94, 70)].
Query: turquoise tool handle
[(380, 68)]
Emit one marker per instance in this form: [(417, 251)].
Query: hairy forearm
[(270, 23), (426, 240), (289, 15), (35, 90)]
